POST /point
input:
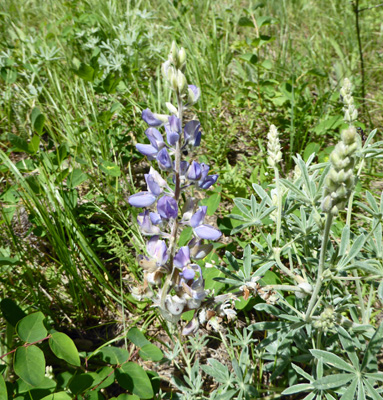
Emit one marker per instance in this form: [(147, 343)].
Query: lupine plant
[(334, 282), (171, 277)]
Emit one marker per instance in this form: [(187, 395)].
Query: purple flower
[(167, 207), (206, 180), (154, 183), (192, 133), (194, 172), (153, 119), (156, 144), (198, 250), (173, 129), (182, 258), (203, 231), (157, 250), (193, 94), (191, 328), (146, 224), (164, 160)]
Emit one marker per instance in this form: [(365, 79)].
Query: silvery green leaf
[(247, 261), (369, 138), (265, 267), (345, 240), (332, 359), (267, 308), (350, 392), (237, 217), (217, 370), (242, 207), (237, 369), (377, 376), (263, 326), (355, 248), (372, 202), (262, 194), (332, 381), (371, 391), (348, 345), (300, 194), (310, 396), (380, 291), (232, 261), (300, 387), (361, 391), (302, 372), (373, 348)]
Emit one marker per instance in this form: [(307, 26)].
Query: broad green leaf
[(300, 387), (63, 347), (57, 396), (350, 392), (373, 348), (81, 382), (113, 355), (12, 313), (18, 142), (332, 381), (110, 168), (76, 178), (33, 145), (310, 149), (46, 383), (244, 21), (249, 57), (86, 72), (151, 352), (125, 396), (38, 120), (3, 388), (29, 364), (137, 337), (185, 236), (332, 359), (31, 328), (132, 377), (212, 203)]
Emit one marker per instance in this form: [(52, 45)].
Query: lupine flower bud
[(273, 147), (182, 56), (171, 108), (181, 81), (340, 181), (350, 112)]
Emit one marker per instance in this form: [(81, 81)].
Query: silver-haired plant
[(172, 278)]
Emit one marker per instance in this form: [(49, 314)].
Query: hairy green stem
[(322, 258), (279, 204)]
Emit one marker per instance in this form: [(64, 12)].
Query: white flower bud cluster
[(350, 112), (340, 180), (327, 320), (273, 147), (173, 68)]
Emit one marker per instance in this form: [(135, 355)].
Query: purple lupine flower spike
[(167, 207), (173, 129), (203, 231), (210, 180), (153, 119), (164, 160)]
